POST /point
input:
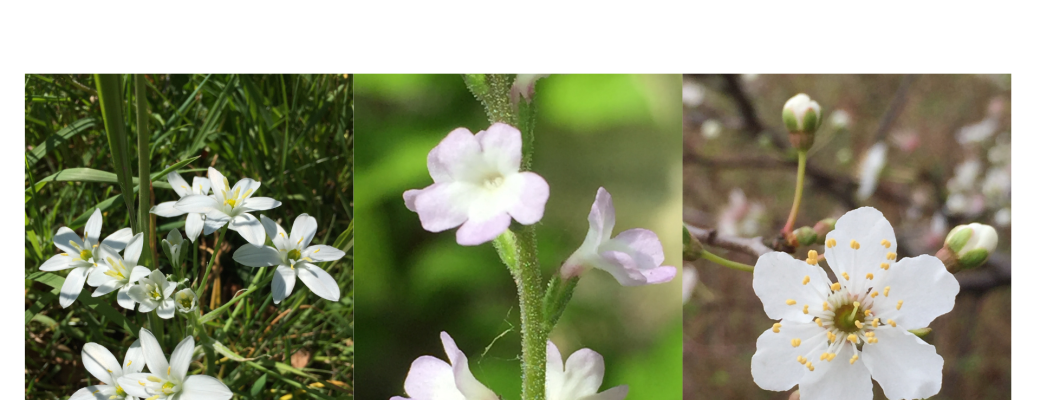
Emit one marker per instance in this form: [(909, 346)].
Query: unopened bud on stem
[(801, 117), (692, 248), (968, 246), (805, 236), (822, 228)]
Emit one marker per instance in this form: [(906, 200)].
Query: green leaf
[(58, 138), (109, 91), (98, 176), (85, 298), (258, 386)]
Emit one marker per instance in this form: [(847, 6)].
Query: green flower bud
[(822, 228), (692, 248), (801, 117), (805, 236), (968, 246)]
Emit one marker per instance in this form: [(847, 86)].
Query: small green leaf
[(58, 138), (258, 385)]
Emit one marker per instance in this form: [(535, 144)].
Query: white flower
[(79, 254), (580, 379), (103, 365), (185, 300), (832, 338), (801, 114), (294, 257), (154, 291), (870, 170), (115, 272), (971, 244), (432, 378), (169, 380), (633, 257), (172, 247), (477, 183), (230, 205), (195, 221)]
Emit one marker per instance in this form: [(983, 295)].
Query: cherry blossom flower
[(103, 365), (195, 221), (115, 272), (579, 379), (295, 257), (432, 378), (78, 254), (477, 183), (832, 338), (230, 205), (169, 380), (154, 292), (633, 257)]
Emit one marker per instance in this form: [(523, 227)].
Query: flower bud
[(172, 247), (185, 300), (801, 117), (691, 246), (805, 236), (968, 246), (822, 228)]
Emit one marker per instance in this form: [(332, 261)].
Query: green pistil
[(85, 254), (845, 318), (294, 254), (120, 392)]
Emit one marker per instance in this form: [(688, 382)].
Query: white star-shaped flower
[(78, 254), (103, 365), (230, 205), (115, 272), (195, 222), (170, 380)]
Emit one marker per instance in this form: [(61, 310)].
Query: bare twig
[(711, 237), (894, 108)]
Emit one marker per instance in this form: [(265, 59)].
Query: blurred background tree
[(616, 131), (931, 152)]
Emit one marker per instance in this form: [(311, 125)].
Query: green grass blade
[(58, 138), (143, 168), (109, 95)]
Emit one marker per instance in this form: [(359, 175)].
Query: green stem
[(156, 325), (212, 259), (143, 167), (789, 227), (533, 337), (726, 263)]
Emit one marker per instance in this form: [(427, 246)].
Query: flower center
[(846, 316), (153, 292), (493, 181), (168, 387), (184, 300), (120, 392), (85, 254), (294, 254)]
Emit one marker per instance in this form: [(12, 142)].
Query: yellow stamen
[(886, 243), (802, 360), (825, 306), (854, 244), (875, 323), (776, 327), (886, 290), (830, 357), (854, 358), (891, 256), (870, 276), (796, 342), (812, 258), (831, 243), (872, 340), (859, 324), (845, 275), (805, 309), (809, 365), (831, 337), (868, 312), (805, 281), (884, 266), (899, 305), (873, 294), (853, 338), (891, 322), (835, 286), (153, 378), (791, 302), (819, 322)]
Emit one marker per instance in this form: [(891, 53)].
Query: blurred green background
[(291, 132), (948, 140), (621, 132)]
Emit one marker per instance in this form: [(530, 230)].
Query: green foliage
[(292, 132)]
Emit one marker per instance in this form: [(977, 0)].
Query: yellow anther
[(153, 378), (230, 201), (805, 281), (853, 338), (891, 322), (168, 369), (128, 362), (873, 294), (891, 256), (819, 322), (869, 334), (830, 357), (183, 187), (823, 356), (899, 305), (884, 266), (776, 327), (153, 397), (886, 290), (796, 342), (319, 249), (872, 340), (870, 276), (868, 312), (825, 306), (853, 359), (845, 275), (65, 254), (109, 371), (854, 244), (300, 241), (875, 323), (142, 383), (831, 243), (835, 286), (812, 257), (802, 360), (805, 309), (886, 243), (831, 337), (791, 302), (247, 193), (282, 233), (226, 186), (859, 324), (809, 365)]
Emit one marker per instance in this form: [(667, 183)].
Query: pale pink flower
[(432, 378), (579, 379)]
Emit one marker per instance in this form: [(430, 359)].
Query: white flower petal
[(137, 293), (166, 309), (452, 156), (464, 379), (261, 203), (246, 188), (582, 375), (153, 354), (118, 240), (501, 144), (904, 365), (219, 184), (124, 299), (178, 184), (643, 244), (257, 256), (321, 252), (193, 226), (63, 238), (614, 393), (180, 359), (92, 230), (211, 225), (200, 185), (554, 379), (133, 384), (431, 378), (58, 262), (529, 205), (134, 361), (775, 365), (166, 209), (204, 387), (138, 272), (919, 290), (838, 379), (107, 287), (869, 229), (282, 285), (303, 230), (198, 204), (100, 362), (94, 392), (73, 286), (249, 227), (319, 281), (475, 232), (779, 278), (601, 217), (133, 250), (97, 277), (409, 198), (443, 206), (275, 232)]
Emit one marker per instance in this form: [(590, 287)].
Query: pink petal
[(501, 144), (474, 232), (452, 155), (601, 217), (530, 207), (644, 242), (409, 198), (443, 206)]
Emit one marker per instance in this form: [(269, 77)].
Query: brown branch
[(711, 237)]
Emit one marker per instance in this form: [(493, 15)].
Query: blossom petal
[(319, 281), (464, 379), (73, 286), (193, 225), (166, 209), (246, 188), (200, 185), (501, 145), (321, 252), (621, 266), (775, 365), (838, 379), (530, 202), (94, 392), (153, 354), (133, 384), (211, 225), (282, 285), (554, 377), (583, 374), (261, 203), (92, 230), (431, 378), (275, 232), (475, 232), (257, 256), (118, 240), (133, 249), (180, 359), (58, 262), (99, 361), (614, 393), (303, 230), (134, 360), (904, 365), (779, 278), (869, 229), (645, 243), (166, 309), (204, 387), (452, 155), (124, 299), (137, 293), (249, 227), (601, 217), (106, 287), (138, 272), (64, 239), (178, 184), (409, 198), (443, 206), (219, 184), (198, 203), (919, 289)]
